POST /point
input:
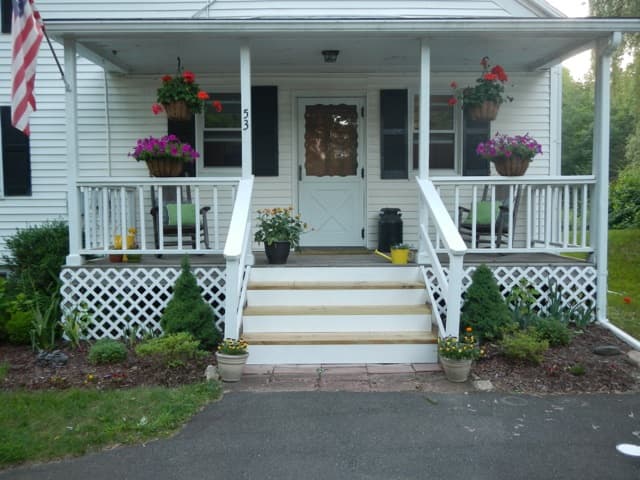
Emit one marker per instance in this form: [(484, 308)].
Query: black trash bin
[(389, 228)]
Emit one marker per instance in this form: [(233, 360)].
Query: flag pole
[(55, 57)]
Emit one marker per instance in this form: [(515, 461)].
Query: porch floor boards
[(343, 258)]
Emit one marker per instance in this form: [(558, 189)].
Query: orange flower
[(468, 329), (626, 300)]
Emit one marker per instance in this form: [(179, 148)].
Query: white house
[(382, 105)]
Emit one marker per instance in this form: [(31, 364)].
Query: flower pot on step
[(277, 252)]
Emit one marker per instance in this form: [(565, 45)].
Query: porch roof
[(144, 46)]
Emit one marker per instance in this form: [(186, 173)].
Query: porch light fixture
[(330, 56)]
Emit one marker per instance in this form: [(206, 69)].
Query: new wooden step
[(340, 338)]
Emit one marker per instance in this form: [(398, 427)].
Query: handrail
[(236, 252), (170, 181), (523, 180), (451, 287)]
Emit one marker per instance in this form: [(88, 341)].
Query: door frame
[(350, 98)]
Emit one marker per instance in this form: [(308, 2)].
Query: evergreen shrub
[(107, 350), (524, 345)]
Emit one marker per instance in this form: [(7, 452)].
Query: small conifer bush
[(106, 351), (188, 312), (484, 308)]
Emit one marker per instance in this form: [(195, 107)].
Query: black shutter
[(186, 132), (16, 162), (474, 133), (264, 135), (394, 135), (6, 11)]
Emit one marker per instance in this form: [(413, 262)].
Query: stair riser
[(259, 298), (336, 323), (342, 274), (312, 354)]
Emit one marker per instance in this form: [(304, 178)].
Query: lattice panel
[(577, 284), (122, 299)]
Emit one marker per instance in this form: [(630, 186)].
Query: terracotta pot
[(165, 167), (177, 111), (115, 258), (487, 111), (512, 166), (230, 367), (456, 370), (277, 252)]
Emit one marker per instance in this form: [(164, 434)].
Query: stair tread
[(324, 285), (344, 338), (421, 309)]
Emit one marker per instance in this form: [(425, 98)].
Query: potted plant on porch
[(457, 355), (510, 155), (165, 156), (279, 229), (231, 357), (484, 99)]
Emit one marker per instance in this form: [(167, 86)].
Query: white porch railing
[(433, 212), (238, 256), (110, 208), (527, 214)]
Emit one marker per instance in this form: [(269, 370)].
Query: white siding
[(73, 9)]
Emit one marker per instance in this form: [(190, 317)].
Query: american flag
[(26, 32)]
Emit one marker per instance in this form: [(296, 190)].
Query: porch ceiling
[(383, 46)]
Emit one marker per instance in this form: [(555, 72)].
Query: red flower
[(156, 108), (166, 78), (500, 73), (188, 76), (453, 85), (217, 104), (203, 95), (452, 101), (626, 300), (490, 76)]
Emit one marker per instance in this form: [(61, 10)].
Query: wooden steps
[(338, 315)]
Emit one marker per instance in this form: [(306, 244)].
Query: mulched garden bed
[(591, 373), (601, 374)]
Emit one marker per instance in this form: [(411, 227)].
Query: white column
[(425, 95), (245, 107), (73, 196), (601, 169)]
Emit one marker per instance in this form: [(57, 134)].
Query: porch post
[(71, 107), (245, 106), (423, 139), (600, 166)]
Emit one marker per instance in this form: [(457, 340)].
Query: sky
[(578, 65)]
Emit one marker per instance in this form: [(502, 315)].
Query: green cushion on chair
[(483, 210), (188, 214)]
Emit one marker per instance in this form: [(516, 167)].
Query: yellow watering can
[(399, 256)]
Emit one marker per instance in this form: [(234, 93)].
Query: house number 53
[(245, 119)]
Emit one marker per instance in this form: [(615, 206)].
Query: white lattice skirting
[(577, 283), (122, 300)]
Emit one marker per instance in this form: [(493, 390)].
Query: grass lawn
[(624, 280), (45, 425)]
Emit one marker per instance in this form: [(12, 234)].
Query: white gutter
[(621, 334)]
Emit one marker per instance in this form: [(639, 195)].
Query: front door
[(331, 171)]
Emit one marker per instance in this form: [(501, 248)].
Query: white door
[(331, 171)]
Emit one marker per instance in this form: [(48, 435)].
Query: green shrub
[(107, 350), (19, 327), (624, 203), (4, 313), (188, 312), (45, 327), (522, 302), (174, 349), (554, 331), (484, 309), (36, 255), (75, 324), (524, 345)]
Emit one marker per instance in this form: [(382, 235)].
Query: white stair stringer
[(317, 315)]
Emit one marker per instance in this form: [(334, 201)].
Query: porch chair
[(483, 211), (168, 218)]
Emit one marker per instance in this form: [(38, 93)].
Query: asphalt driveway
[(347, 435)]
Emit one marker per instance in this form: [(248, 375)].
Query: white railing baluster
[(106, 231), (197, 214), (142, 231), (216, 218), (585, 207), (574, 228), (565, 240), (528, 241), (179, 215), (123, 216), (474, 214), (160, 217)]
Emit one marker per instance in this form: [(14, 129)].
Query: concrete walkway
[(386, 436), (347, 378)]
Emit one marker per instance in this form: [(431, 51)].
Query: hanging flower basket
[(165, 167), (177, 111), (487, 111), (512, 166)]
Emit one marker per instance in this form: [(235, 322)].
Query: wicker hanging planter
[(165, 167), (512, 166), (485, 112), (177, 111)]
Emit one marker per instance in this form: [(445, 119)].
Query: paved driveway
[(347, 435)]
